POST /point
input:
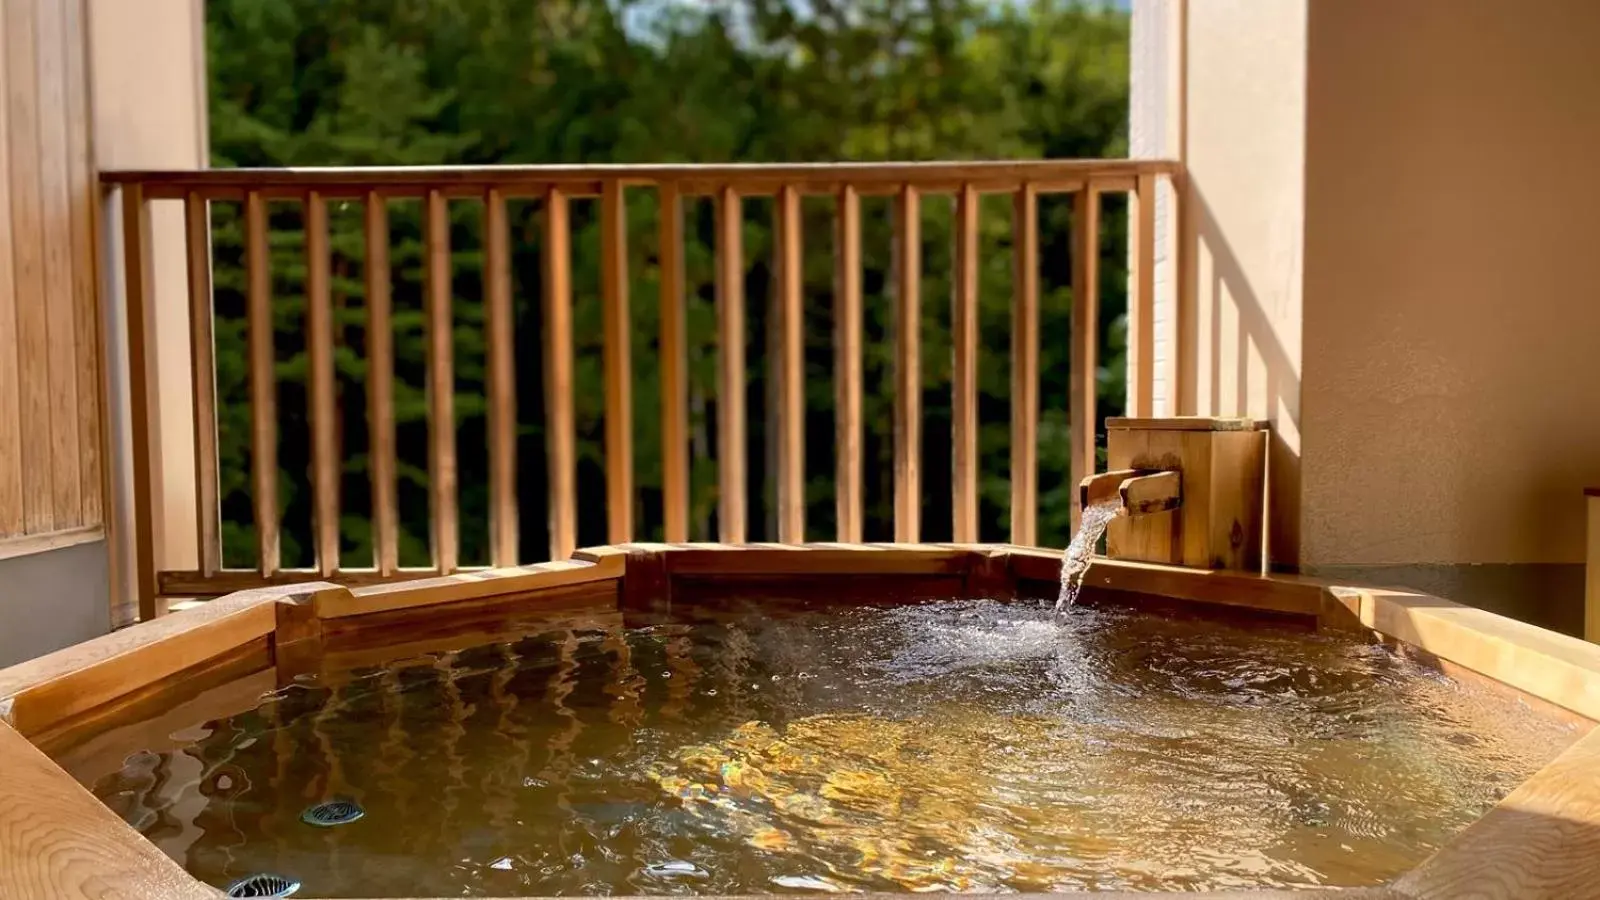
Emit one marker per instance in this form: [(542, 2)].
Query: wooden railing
[(906, 183)]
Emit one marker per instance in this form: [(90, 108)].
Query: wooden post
[(847, 365), (674, 371), (501, 327), (319, 352), (441, 385), (560, 432), (1142, 297), (141, 399), (380, 388), (619, 383), (908, 369), (731, 507), (791, 371), (1085, 333), (1025, 366), (203, 380), (964, 367), (263, 388)]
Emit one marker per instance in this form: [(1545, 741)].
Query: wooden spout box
[(1223, 466)]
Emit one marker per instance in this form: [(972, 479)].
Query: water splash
[(1075, 561)]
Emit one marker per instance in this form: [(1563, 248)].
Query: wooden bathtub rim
[(1560, 804)]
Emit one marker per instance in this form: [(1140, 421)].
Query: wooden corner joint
[(297, 633)]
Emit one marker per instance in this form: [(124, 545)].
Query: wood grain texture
[(1142, 297), (1142, 495), (560, 428), (27, 253), (142, 401), (57, 686), (730, 368), (1025, 365), (203, 382), (58, 841), (500, 323), (441, 387), (463, 586), (964, 370), (86, 267), (674, 371), (380, 386), (263, 388), (849, 498), (908, 367), (1554, 667), (11, 493), (1542, 842), (29, 544), (325, 462), (55, 236), (617, 359), (791, 369), (1083, 377)]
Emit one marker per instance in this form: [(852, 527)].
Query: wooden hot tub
[(58, 840)]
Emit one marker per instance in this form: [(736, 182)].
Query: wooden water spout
[(1190, 491), (1136, 492)]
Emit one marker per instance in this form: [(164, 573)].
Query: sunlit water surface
[(963, 745)]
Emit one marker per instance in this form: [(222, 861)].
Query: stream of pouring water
[(1075, 561)]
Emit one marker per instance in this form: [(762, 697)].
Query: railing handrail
[(691, 178), (727, 185)]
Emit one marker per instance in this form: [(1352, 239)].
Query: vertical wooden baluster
[(1180, 324), (141, 399), (791, 366), (1082, 380), (1025, 366), (202, 372), (619, 383), (847, 364), (502, 381), (319, 351), (908, 370), (730, 338), (263, 390), (1142, 297), (560, 432), (964, 381), (441, 386), (674, 371), (380, 388)]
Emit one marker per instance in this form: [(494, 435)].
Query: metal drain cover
[(334, 812), (263, 884)]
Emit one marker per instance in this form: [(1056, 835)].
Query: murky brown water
[(953, 745)]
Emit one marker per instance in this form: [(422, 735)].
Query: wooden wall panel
[(51, 482)]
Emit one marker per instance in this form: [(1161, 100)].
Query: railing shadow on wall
[(374, 190), (1272, 393)]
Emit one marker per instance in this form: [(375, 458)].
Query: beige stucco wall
[(148, 78), (1451, 391), (1244, 147)]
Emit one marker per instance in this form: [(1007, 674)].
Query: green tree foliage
[(433, 82)]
